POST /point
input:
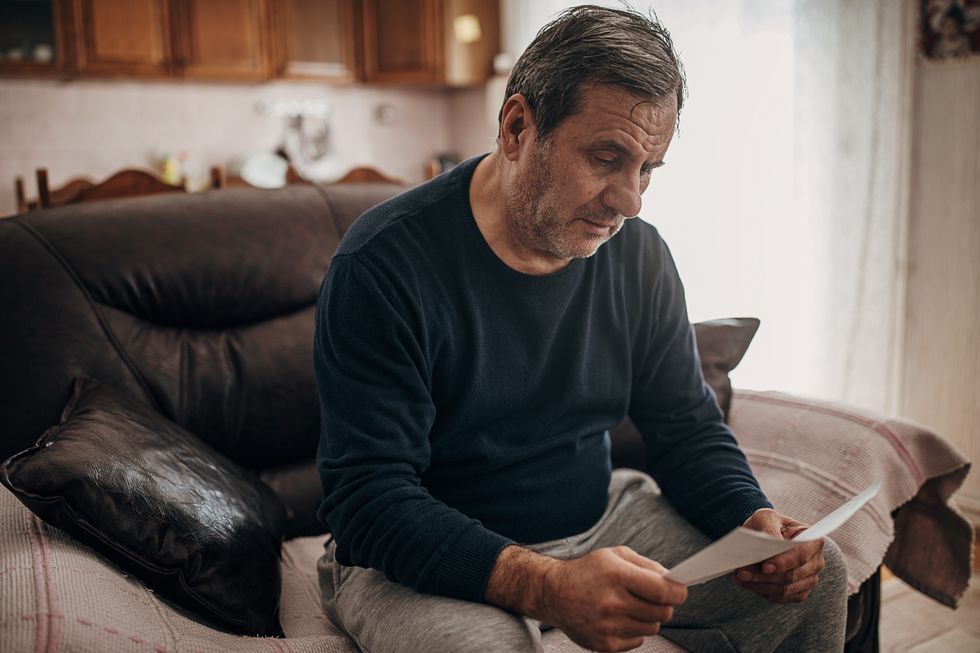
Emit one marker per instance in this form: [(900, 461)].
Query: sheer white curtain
[(784, 193)]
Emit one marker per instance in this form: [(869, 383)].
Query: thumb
[(789, 532), (766, 520)]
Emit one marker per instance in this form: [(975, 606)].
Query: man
[(477, 337)]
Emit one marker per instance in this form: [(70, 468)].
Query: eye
[(604, 160)]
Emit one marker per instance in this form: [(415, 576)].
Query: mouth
[(600, 228)]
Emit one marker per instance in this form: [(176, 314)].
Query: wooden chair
[(363, 174), (360, 174), (23, 205), (125, 183), (220, 180)]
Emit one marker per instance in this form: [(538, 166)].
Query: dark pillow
[(161, 504), (721, 345)]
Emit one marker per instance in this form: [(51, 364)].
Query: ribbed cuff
[(734, 513), (465, 567)]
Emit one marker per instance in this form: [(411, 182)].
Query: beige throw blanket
[(811, 456)]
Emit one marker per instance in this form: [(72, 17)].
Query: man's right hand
[(607, 600)]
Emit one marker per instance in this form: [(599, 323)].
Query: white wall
[(94, 128), (473, 119)]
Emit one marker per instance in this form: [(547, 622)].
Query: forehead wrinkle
[(624, 139), (653, 120), (643, 123), (632, 137), (639, 104)]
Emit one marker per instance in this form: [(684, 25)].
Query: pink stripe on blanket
[(54, 601), (40, 593), (48, 625), (278, 646), (117, 633), (874, 425)]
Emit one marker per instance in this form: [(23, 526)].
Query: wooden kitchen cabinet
[(437, 42), (316, 39), (123, 37), (401, 41), (407, 42), (204, 39), (222, 39), (33, 39)]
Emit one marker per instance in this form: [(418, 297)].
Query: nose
[(623, 195)]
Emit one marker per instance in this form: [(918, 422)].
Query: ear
[(516, 126)]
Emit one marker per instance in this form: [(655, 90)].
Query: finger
[(752, 574), (766, 520), (653, 587), (648, 581), (777, 590), (795, 557), (645, 612), (790, 531), (629, 554)]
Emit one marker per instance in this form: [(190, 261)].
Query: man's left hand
[(790, 576)]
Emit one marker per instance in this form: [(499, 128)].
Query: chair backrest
[(220, 180), (366, 174), (360, 174), (125, 183), (22, 204), (200, 304), (203, 303)]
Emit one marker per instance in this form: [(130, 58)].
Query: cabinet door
[(317, 39), (123, 37), (402, 41), (223, 39), (33, 37), (471, 30)]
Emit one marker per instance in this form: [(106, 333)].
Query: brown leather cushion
[(721, 345), (200, 304), (160, 503)]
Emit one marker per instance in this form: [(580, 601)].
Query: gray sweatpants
[(382, 616)]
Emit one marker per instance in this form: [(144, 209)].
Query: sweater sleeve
[(690, 451), (376, 414)]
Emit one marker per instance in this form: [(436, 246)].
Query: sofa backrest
[(200, 303)]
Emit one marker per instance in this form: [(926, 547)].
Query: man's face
[(573, 191)]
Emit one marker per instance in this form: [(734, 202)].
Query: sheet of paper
[(744, 547)]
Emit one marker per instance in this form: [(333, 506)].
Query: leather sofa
[(199, 308)]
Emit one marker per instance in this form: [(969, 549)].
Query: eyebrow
[(607, 144)]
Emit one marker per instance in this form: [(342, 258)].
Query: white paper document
[(744, 547)]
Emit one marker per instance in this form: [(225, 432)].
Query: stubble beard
[(534, 222)]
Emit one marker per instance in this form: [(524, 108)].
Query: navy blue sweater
[(466, 406)]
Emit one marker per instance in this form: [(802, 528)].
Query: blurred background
[(825, 178)]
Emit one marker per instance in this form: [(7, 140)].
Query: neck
[(488, 202)]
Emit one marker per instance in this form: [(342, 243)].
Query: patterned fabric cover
[(809, 456), (59, 595)]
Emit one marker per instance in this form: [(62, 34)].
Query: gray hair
[(596, 45)]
